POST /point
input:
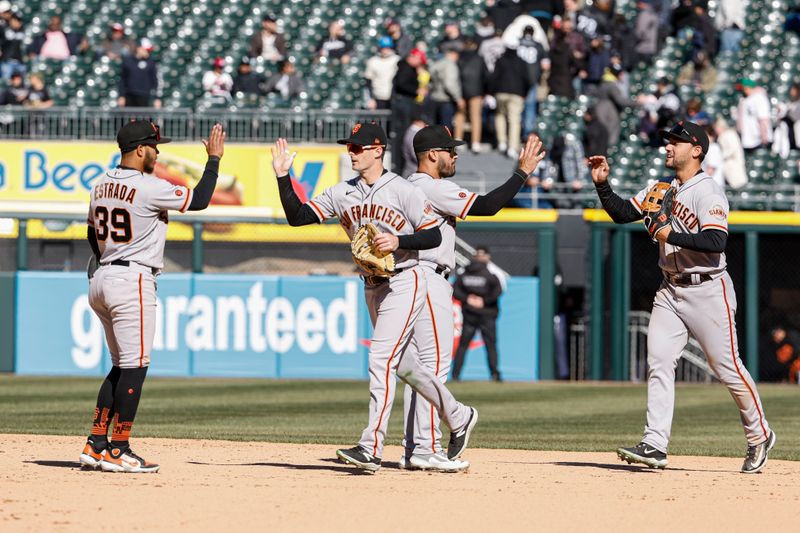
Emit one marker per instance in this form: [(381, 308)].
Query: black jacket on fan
[(511, 75), (477, 280), (474, 74)]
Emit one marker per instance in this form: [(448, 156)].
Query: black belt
[(372, 281), (126, 263), (686, 279)]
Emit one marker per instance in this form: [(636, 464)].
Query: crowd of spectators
[(485, 82)]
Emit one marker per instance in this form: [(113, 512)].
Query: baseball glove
[(657, 208), (367, 257)]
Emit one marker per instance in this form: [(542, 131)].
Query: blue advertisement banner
[(298, 327)]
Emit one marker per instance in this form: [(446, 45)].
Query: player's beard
[(444, 169), (149, 162)]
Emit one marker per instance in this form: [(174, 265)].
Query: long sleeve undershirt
[(493, 201), (204, 190), (622, 211), (300, 214)]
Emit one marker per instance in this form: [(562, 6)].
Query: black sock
[(126, 401), (104, 410)]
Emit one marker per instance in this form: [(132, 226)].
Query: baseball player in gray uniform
[(127, 230), (432, 338), (407, 225), (696, 296)]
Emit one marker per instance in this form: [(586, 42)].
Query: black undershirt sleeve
[(708, 241), (421, 240), (493, 201), (297, 213), (621, 211), (204, 190), (91, 236)]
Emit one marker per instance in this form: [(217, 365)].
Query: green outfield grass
[(548, 416)]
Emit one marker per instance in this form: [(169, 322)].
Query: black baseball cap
[(432, 137), (139, 132), (688, 132), (366, 135)]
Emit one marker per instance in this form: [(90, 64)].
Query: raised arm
[(297, 213), (204, 190), (621, 211), (493, 201)]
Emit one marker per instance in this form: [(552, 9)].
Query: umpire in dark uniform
[(478, 290)]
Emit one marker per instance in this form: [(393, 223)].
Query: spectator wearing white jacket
[(379, 73), (730, 22), (730, 169), (753, 116)]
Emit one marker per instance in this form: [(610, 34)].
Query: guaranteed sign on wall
[(247, 326)]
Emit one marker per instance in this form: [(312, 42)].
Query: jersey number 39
[(119, 220)]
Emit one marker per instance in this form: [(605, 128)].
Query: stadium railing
[(241, 125)]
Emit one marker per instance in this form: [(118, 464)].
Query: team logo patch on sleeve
[(462, 195), (717, 212)]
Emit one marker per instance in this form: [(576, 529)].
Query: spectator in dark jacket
[(597, 61), (610, 103), (535, 57), (452, 40), (623, 41), (11, 38), (474, 78), (478, 291), (646, 32), (286, 82), (138, 79), (116, 45), (595, 135), (55, 43), (503, 12), (404, 94), (16, 93), (543, 10), (247, 81), (268, 43), (563, 65), (509, 85), (334, 45), (402, 42)]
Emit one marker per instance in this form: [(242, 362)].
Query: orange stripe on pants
[(735, 360), (389, 363)]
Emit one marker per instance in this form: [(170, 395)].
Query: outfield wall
[(245, 326)]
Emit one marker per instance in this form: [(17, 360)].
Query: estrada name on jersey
[(128, 211)]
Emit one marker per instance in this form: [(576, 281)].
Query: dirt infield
[(214, 485)]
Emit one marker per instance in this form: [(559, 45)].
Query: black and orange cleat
[(124, 460), (92, 456)]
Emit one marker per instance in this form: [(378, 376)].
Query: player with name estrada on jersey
[(696, 296), (407, 224), (127, 232), (432, 338)]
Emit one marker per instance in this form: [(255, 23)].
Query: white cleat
[(435, 461)]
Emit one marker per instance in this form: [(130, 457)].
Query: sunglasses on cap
[(679, 131), (155, 135), (358, 149)]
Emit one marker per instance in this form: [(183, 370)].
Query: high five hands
[(282, 157), (531, 155)]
